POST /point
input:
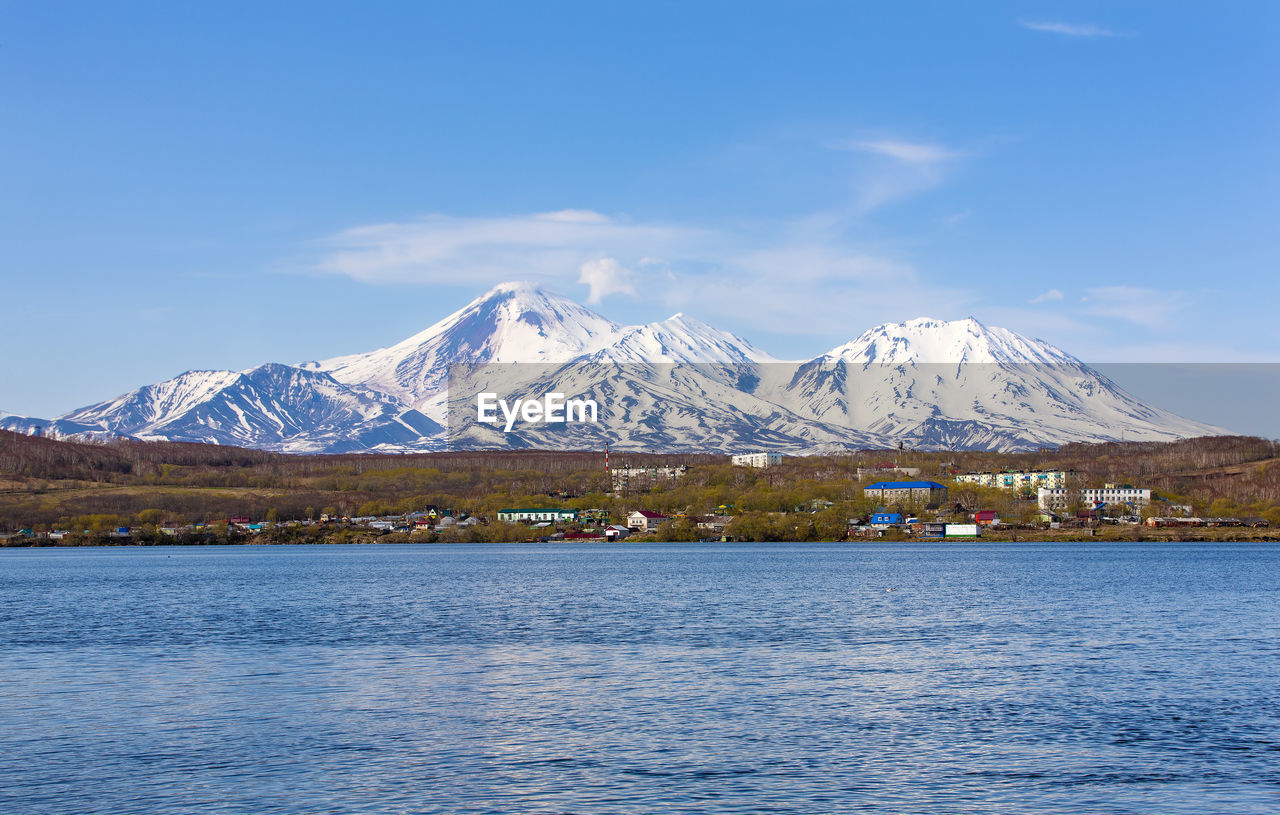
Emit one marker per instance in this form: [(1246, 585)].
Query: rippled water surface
[(668, 678)]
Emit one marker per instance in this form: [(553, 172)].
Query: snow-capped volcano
[(677, 384), (946, 384), (941, 341), (512, 323)]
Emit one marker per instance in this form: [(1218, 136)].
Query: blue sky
[(219, 185)]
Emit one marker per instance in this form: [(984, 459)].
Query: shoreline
[(1106, 535)]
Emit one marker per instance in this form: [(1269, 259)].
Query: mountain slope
[(272, 407), (680, 339)]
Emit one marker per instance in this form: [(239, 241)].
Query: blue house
[(883, 519)]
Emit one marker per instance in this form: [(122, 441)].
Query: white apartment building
[(1061, 498), (671, 472), (1029, 481), (759, 460)]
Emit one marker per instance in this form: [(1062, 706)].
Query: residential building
[(882, 520), (758, 460), (668, 472), (1062, 498), (887, 468), (896, 492), (713, 523), (552, 515), (1025, 481), (642, 520), (624, 478)]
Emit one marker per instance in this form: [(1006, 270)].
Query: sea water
[(932, 678)]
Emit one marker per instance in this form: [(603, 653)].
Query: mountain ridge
[(673, 385)]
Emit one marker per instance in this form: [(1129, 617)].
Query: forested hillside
[(47, 483)]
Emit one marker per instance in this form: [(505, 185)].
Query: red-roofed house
[(643, 520)]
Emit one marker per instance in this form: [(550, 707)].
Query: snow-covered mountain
[(678, 384), (512, 323), (274, 407), (961, 384)]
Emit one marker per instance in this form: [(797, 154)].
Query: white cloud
[(445, 249), (783, 268), (1149, 308), (573, 216), (956, 218), (605, 276), (803, 277), (911, 168), (1068, 29), (913, 153), (822, 265)]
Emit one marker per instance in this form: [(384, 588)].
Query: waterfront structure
[(539, 514), (1062, 498), (757, 460), (890, 492), (1026, 481)]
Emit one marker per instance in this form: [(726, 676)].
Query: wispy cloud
[(1051, 294), (449, 249), (1149, 308), (899, 170), (806, 274), (1068, 29), (725, 271), (914, 153)]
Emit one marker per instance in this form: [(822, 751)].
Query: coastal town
[(751, 496)]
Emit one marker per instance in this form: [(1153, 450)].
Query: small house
[(883, 520), (986, 517), (642, 520)]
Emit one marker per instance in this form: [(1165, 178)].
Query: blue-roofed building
[(896, 492), (881, 520)]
